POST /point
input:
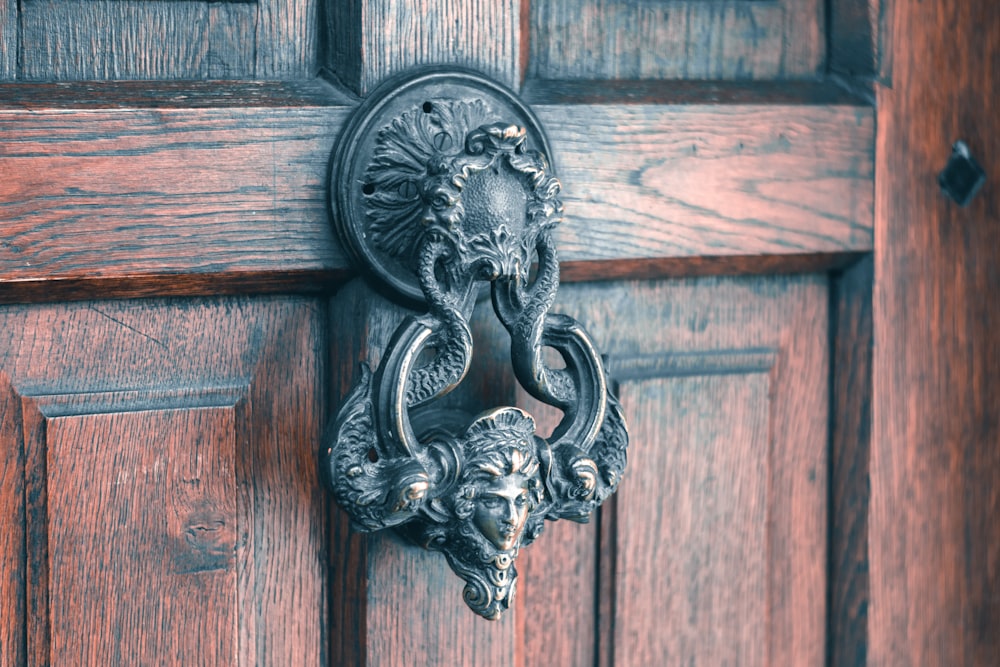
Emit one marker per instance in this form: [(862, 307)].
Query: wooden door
[(180, 322)]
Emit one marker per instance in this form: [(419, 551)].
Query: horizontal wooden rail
[(199, 189)]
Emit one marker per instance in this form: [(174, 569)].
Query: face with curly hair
[(501, 508), (501, 484)]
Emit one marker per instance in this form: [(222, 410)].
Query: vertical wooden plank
[(805, 28), (348, 592), (693, 523), (352, 313), (230, 32), (714, 548), (341, 55), (558, 586), (8, 40), (285, 412), (850, 449), (13, 640), (799, 484), (134, 39), (854, 36), (417, 614), (37, 617), (108, 39), (607, 578), (142, 503), (396, 35), (286, 38), (683, 39), (934, 534)]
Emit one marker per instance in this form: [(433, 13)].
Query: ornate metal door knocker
[(440, 182)]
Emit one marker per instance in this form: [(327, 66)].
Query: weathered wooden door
[(180, 322)]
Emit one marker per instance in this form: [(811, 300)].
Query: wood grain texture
[(341, 58), (108, 39), (693, 524), (348, 591), (149, 198), (373, 39), (230, 25), (685, 39), (823, 92), (287, 39), (417, 614), (668, 171), (168, 192), (850, 451), (855, 35), (934, 534), (8, 40), (558, 591), (160, 464), (13, 638), (138, 95), (704, 265), (559, 586), (718, 531), (136, 39), (162, 491), (36, 622)]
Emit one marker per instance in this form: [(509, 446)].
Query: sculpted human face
[(501, 510)]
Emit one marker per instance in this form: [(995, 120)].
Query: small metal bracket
[(441, 183)]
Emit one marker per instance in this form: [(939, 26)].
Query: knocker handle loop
[(441, 183)]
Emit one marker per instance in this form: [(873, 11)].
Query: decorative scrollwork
[(459, 198)]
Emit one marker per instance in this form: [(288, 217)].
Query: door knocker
[(440, 183)]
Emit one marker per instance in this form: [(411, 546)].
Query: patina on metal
[(440, 183)]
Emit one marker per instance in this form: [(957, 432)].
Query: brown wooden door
[(180, 321)]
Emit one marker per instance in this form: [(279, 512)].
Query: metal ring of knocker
[(440, 182)]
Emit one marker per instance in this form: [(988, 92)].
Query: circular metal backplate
[(353, 156)]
